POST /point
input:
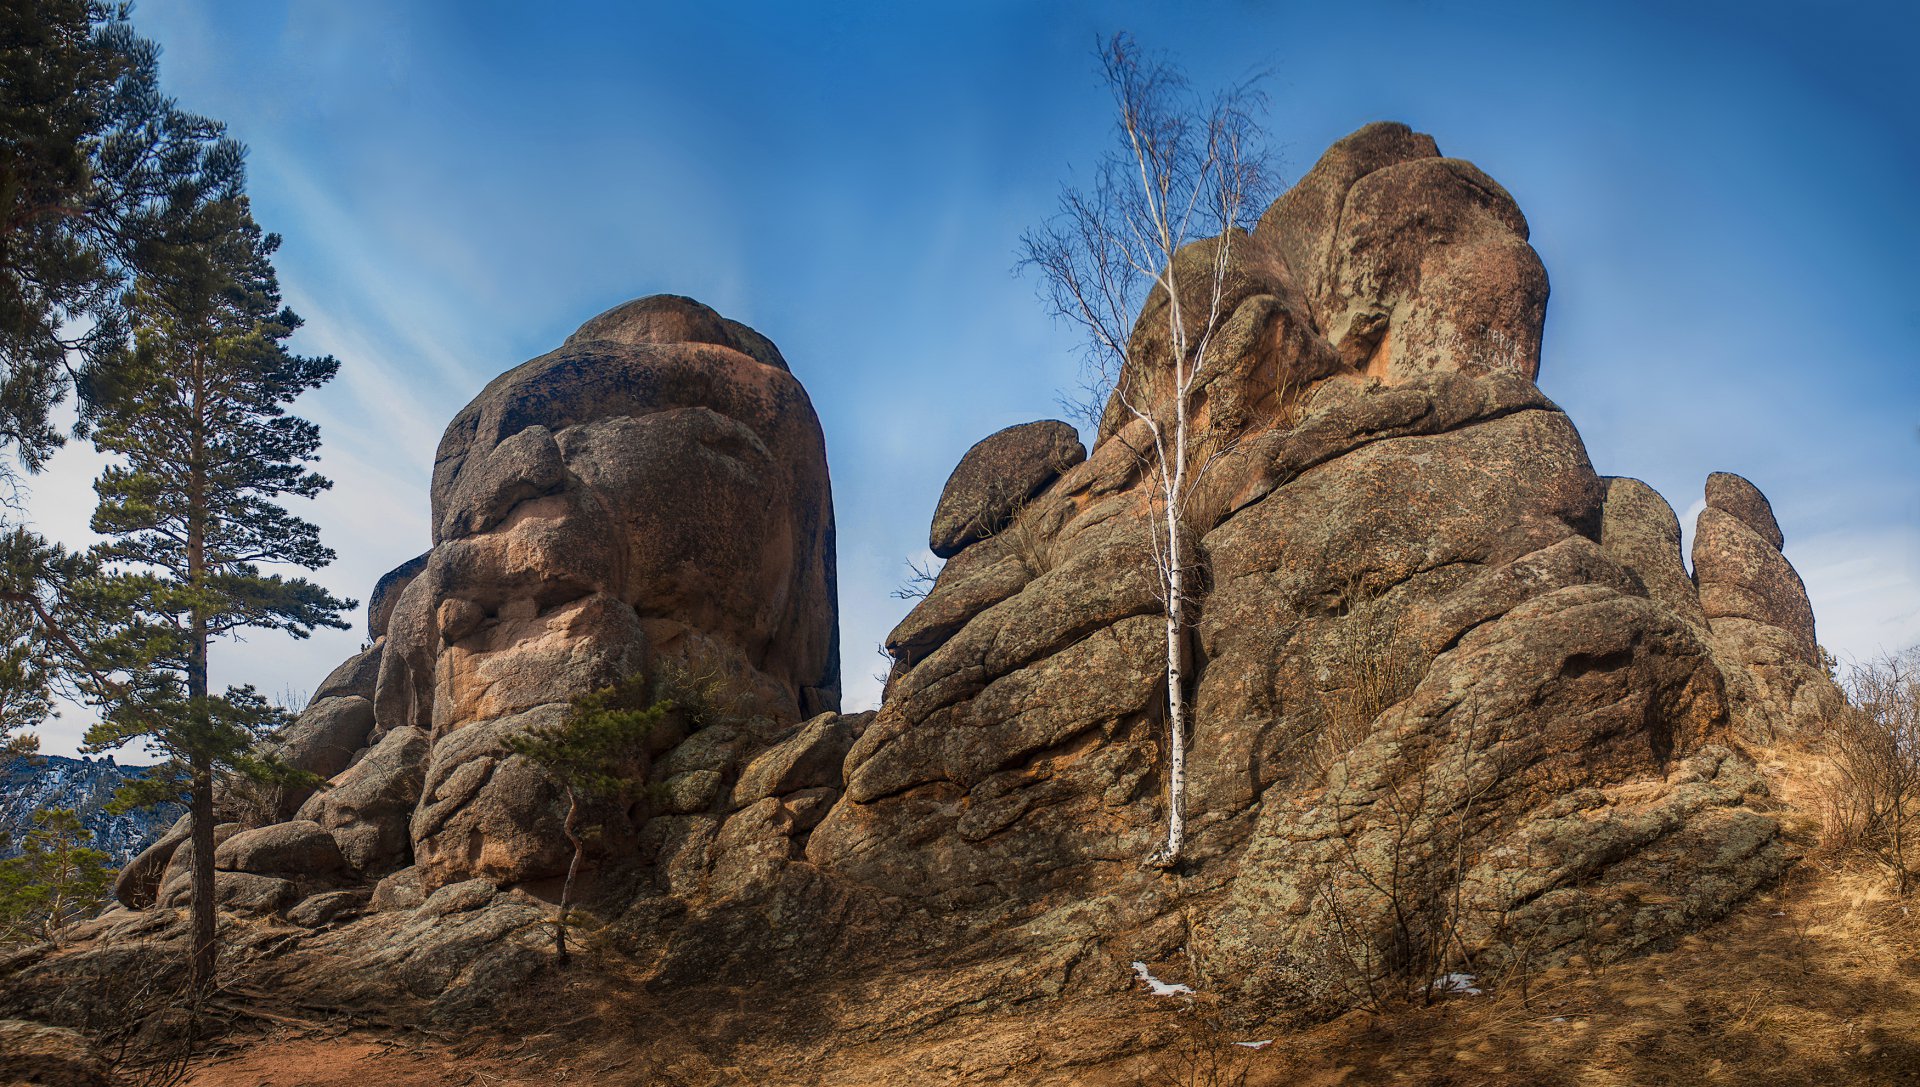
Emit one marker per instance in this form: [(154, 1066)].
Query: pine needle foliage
[(56, 880)]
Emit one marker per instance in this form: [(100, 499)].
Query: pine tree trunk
[(200, 762), (204, 949), (573, 869)]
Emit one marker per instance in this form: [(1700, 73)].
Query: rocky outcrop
[(367, 807), (1433, 649), (323, 741), (1640, 532), (1757, 610), (1425, 615), (386, 593), (651, 497), (649, 502), (996, 478), (1412, 262), (296, 848)]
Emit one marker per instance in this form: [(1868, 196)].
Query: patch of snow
[(1160, 988), (1261, 1044), (1457, 984)]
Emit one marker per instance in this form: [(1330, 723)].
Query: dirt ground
[(1814, 983)]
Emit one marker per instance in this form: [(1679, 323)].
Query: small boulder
[(297, 848), (809, 806), (180, 864), (240, 892), (716, 747), (41, 1056), (324, 740), (748, 853), (367, 807), (138, 884), (811, 758), (996, 477), (693, 791), (324, 909), (403, 890), (468, 894), (354, 677)]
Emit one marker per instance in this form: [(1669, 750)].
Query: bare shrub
[(921, 576), (1872, 795), (1396, 900), (1204, 1053)]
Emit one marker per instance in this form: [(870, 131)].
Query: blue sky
[(1723, 194)]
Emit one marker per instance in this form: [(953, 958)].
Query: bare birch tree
[(1183, 169)]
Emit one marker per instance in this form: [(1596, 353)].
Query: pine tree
[(592, 755), (195, 413), (97, 167), (56, 880)]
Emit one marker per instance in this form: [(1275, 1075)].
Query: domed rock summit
[(1453, 689)]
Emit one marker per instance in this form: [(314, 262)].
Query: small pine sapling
[(57, 879), (594, 754)]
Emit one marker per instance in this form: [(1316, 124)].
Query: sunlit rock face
[(1430, 634), (654, 493)]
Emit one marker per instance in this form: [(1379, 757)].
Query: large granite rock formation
[(1435, 642), (1435, 652), (649, 499)]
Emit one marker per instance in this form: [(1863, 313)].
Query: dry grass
[(1376, 672), (1815, 982)]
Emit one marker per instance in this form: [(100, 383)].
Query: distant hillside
[(85, 785)]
